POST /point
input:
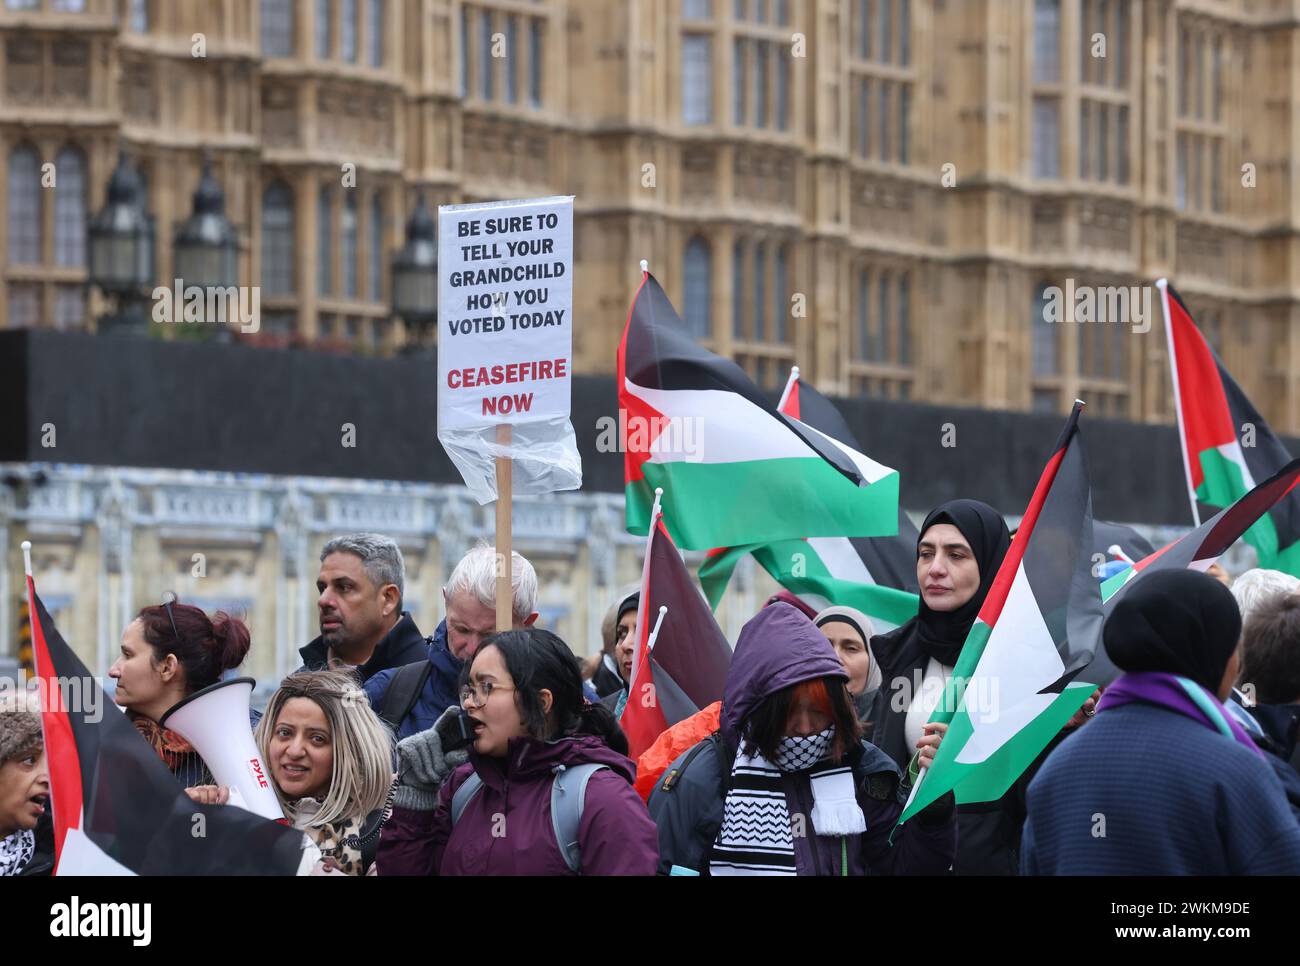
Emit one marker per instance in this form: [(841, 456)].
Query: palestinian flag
[(684, 668), (117, 809), (1039, 627), (734, 470), (1221, 466), (877, 575), (1199, 548)]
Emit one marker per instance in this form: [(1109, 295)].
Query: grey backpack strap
[(568, 794), (467, 790)]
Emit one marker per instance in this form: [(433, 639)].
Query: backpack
[(568, 796), (403, 690)]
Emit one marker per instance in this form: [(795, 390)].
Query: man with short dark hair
[(362, 625), (1270, 647)]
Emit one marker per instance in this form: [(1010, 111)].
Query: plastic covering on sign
[(544, 454)]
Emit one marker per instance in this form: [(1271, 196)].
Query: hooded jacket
[(403, 644), (506, 828), (777, 649)]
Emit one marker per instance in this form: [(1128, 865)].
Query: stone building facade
[(877, 190), (110, 540)]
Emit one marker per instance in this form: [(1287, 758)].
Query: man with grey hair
[(412, 698), (362, 625), (1258, 585)]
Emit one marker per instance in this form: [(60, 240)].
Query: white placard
[(505, 312)]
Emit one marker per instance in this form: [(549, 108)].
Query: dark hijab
[(942, 634), (1177, 621)]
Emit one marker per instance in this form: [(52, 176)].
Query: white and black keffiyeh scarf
[(756, 837), (16, 851)]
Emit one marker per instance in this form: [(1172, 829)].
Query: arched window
[(277, 239), (348, 246), (738, 291), (377, 246), (486, 64), (70, 209), (904, 320), (879, 337), (697, 275), (324, 243), (1044, 336), (138, 17), (862, 346), (324, 28), (25, 239), (348, 33), (375, 26), (781, 304), (277, 28), (760, 292)]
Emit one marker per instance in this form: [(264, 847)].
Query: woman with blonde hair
[(331, 759), (331, 764)]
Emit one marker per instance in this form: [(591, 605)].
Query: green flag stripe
[(709, 505)]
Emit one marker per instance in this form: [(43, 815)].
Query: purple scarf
[(1179, 694)]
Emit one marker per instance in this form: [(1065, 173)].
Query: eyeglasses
[(475, 696), (167, 603)]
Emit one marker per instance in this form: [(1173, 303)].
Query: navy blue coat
[(1143, 790), (441, 688)]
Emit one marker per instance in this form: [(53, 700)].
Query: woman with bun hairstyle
[(168, 652), (530, 723)]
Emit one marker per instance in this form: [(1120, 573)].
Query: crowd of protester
[(481, 750)]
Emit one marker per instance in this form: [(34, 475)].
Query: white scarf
[(16, 851), (756, 837)]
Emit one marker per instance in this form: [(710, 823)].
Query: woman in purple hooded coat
[(523, 695), (787, 786)]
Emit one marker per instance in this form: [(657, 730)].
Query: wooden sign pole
[(505, 486)]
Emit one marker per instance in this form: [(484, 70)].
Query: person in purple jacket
[(523, 694), (786, 786)]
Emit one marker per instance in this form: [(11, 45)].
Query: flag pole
[(789, 385), (1163, 285), (505, 555), (1115, 551), (641, 605), (654, 634), (27, 557)]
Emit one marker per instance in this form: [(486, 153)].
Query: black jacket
[(988, 833), (689, 803), (606, 680), (404, 644), (1281, 724)]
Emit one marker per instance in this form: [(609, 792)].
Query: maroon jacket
[(506, 828)]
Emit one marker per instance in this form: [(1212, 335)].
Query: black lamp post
[(415, 281), (206, 251), (121, 241)]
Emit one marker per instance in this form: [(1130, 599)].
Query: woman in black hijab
[(961, 547)]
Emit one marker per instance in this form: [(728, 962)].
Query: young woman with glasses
[(168, 652), (529, 723)]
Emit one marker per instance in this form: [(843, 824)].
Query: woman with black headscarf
[(960, 550), (1165, 780)]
